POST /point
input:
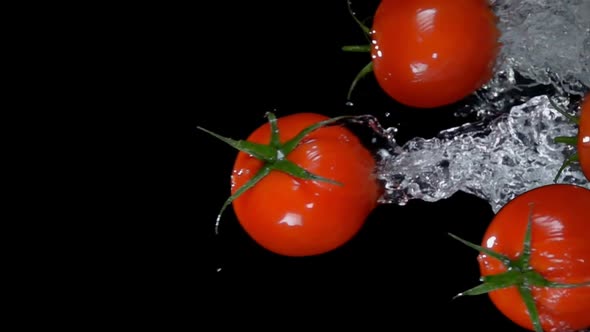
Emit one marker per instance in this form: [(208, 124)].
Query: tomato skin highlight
[(583, 148), (560, 253), (295, 217), (431, 53)]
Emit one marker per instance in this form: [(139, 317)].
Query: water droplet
[(217, 224), (344, 138), (349, 103)]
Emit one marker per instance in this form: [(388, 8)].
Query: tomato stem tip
[(572, 159), (569, 140), (563, 112), (364, 72), (363, 27), (357, 48)]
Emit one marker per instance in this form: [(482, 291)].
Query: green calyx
[(273, 155), (357, 48), (519, 273), (568, 140), (361, 25), (368, 68)]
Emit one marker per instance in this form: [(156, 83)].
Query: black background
[(237, 61)]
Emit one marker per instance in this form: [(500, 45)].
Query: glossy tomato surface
[(295, 217), (431, 53), (560, 253), (584, 137)]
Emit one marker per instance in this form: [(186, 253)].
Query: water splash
[(546, 45), (510, 149), (546, 41), (495, 160)]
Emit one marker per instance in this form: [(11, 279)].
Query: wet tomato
[(430, 53), (583, 149), (560, 253), (291, 213)]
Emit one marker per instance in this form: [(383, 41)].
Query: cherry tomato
[(560, 253), (584, 138), (430, 53), (295, 217)]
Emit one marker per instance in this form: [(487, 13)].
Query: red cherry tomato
[(295, 217), (560, 253), (430, 53), (584, 138)]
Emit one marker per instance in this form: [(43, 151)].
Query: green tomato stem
[(264, 171), (366, 70), (492, 283), (525, 258), (293, 169), (357, 48), (363, 27), (259, 151), (569, 140), (529, 302), (519, 273), (290, 145), (504, 259), (274, 155), (275, 140), (572, 159), (568, 116)]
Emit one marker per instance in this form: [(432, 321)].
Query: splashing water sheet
[(511, 148), (511, 155)]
